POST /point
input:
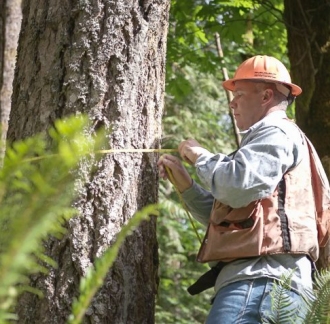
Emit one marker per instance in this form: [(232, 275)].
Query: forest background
[(294, 31)]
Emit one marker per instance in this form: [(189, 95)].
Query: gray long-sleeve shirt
[(268, 149)]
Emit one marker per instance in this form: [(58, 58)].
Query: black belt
[(207, 280)]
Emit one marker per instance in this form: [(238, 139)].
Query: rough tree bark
[(308, 27), (105, 58), (10, 25)]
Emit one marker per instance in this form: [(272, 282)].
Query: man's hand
[(181, 176), (190, 150)]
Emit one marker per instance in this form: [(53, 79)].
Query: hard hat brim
[(230, 84)]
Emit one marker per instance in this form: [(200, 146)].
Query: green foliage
[(246, 28), (202, 114), (94, 278), (36, 190), (282, 310), (179, 269), (315, 308), (319, 306)]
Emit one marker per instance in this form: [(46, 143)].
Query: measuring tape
[(138, 151), (170, 175), (169, 172)]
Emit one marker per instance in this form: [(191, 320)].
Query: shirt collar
[(275, 115)]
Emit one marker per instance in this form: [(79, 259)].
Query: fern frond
[(283, 309), (319, 307), (36, 192), (93, 280)]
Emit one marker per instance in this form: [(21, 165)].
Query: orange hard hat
[(263, 68)]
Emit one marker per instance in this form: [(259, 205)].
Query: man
[(258, 205)]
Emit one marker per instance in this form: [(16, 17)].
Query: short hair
[(280, 98)]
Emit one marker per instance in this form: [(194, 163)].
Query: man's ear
[(268, 94)]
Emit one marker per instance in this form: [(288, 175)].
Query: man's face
[(247, 104)]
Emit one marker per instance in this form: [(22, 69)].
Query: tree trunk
[(10, 25), (105, 58), (308, 26)]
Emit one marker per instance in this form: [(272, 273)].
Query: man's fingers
[(184, 149), (170, 158), (179, 175), (167, 161)]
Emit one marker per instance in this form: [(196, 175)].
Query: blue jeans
[(248, 302)]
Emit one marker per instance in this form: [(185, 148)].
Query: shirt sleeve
[(255, 170), (199, 202)]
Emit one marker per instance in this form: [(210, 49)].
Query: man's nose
[(232, 104)]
